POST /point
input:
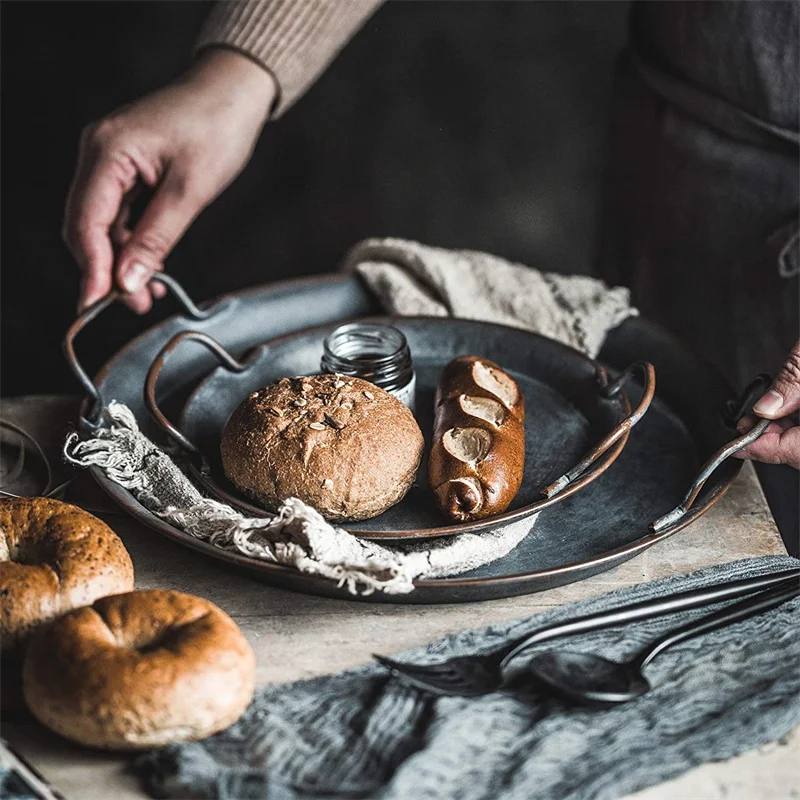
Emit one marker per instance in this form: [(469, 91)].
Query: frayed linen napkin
[(408, 278), (297, 536), (363, 733)]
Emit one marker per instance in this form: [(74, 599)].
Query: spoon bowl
[(592, 679), (587, 677)]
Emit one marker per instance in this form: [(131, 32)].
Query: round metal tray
[(605, 524)]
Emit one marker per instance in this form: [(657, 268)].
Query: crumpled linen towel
[(408, 278), (364, 734)]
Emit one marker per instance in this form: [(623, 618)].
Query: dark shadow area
[(460, 124)]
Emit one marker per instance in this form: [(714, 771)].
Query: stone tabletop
[(300, 636)]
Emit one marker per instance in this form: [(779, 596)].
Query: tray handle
[(155, 370), (92, 312), (733, 411), (609, 390)]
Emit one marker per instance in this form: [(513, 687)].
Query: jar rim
[(362, 328)]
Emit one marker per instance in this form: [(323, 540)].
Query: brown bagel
[(139, 670), (53, 557)]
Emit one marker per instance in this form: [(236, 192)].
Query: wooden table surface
[(299, 636)]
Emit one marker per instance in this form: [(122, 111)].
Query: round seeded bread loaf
[(340, 444)]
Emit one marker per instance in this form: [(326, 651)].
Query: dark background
[(464, 124)]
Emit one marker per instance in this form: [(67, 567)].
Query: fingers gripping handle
[(97, 407)]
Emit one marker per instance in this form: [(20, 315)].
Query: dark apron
[(702, 201)]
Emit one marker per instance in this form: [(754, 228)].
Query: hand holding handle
[(96, 411)]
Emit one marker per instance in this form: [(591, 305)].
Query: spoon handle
[(749, 607), (647, 609)]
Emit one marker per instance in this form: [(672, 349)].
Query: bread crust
[(477, 457), (53, 557), (341, 444), (138, 670)]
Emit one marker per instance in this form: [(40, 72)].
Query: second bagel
[(139, 670)]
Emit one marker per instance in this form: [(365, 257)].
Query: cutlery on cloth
[(469, 676), (587, 678)]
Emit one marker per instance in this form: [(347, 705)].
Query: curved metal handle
[(94, 310), (652, 608), (9, 477), (155, 370), (749, 396), (705, 473), (624, 427), (757, 604)]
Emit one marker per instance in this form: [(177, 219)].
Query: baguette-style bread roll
[(478, 452)]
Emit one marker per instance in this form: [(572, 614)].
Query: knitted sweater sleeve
[(295, 40)]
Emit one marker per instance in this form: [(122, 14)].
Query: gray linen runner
[(362, 733)]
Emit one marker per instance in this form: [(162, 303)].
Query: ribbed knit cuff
[(294, 39)]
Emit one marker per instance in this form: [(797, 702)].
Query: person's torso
[(744, 52)]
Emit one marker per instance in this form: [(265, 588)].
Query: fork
[(473, 675)]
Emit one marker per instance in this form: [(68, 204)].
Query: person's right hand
[(187, 141)]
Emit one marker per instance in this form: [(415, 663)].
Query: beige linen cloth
[(409, 279)]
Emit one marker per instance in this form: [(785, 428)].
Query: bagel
[(139, 670), (53, 557)]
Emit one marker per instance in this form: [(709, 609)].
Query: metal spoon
[(588, 678)]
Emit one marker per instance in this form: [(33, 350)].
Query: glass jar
[(376, 353)]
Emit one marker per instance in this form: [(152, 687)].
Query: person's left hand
[(780, 442)]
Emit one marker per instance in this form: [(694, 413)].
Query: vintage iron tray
[(609, 521), (577, 421)]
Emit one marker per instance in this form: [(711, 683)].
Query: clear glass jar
[(376, 353)]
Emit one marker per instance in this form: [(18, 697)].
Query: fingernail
[(135, 277), (769, 404)]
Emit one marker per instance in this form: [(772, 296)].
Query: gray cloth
[(362, 733)]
